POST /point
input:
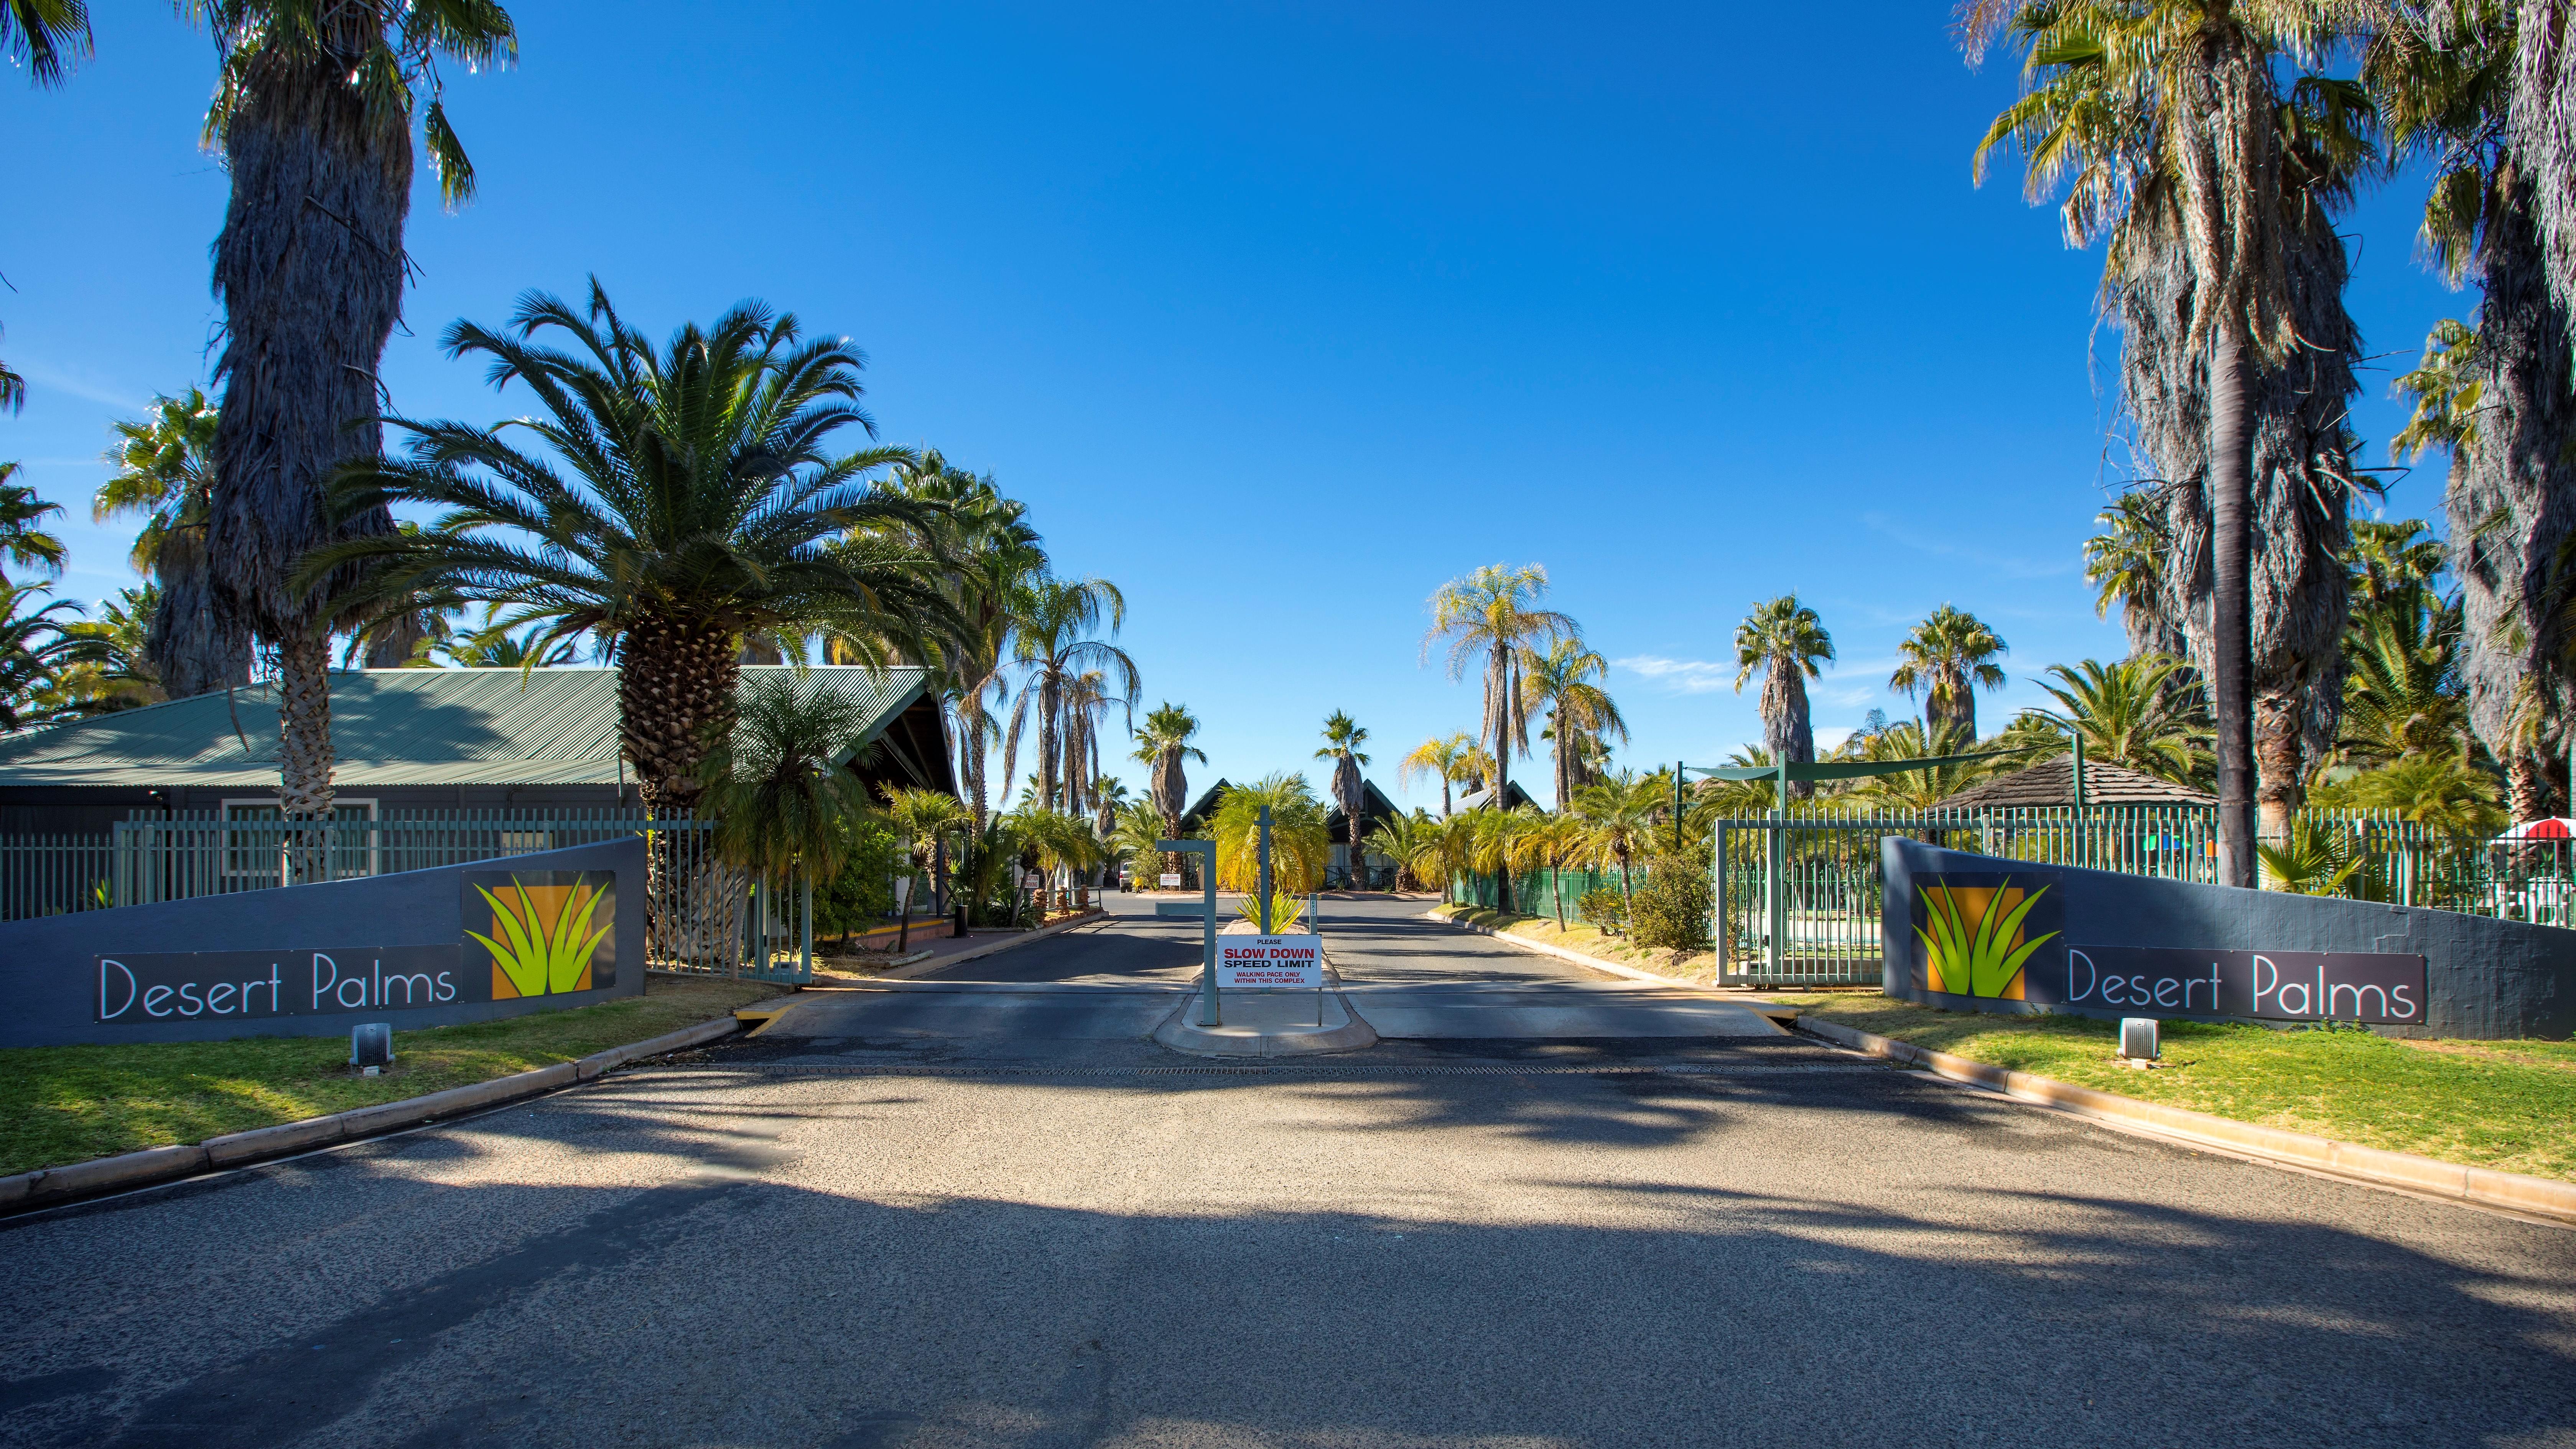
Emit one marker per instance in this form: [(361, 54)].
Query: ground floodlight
[(371, 1044), (2141, 1039)]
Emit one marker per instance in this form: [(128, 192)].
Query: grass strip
[(2506, 1105), (66, 1104)]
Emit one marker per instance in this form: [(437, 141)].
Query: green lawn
[(2508, 1104), (67, 1104)]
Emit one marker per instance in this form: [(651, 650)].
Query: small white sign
[(1256, 961), (1171, 880)]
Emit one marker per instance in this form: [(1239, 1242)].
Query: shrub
[(1670, 910), (1602, 907)]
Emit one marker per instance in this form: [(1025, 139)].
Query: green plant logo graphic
[(542, 939), (1972, 938)]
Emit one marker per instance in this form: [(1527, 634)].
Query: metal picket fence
[(702, 914), (1798, 897)]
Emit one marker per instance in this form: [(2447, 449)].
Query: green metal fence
[(1538, 892), (1798, 896), (701, 914)]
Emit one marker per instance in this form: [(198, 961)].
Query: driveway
[(991, 1222)]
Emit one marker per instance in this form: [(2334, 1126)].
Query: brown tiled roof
[(2053, 783)]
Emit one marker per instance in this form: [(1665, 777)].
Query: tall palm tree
[(991, 554), (1052, 647), (2165, 121), (2542, 115), (1948, 658), (1443, 756), (1565, 681), (313, 112), (41, 34), (1163, 745), (2482, 96), (1782, 640), (685, 498), (164, 469), (1492, 623), (1342, 740), (1550, 843)]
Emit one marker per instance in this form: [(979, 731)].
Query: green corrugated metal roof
[(390, 727)]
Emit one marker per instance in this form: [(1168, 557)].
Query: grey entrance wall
[(2482, 978), (405, 930)]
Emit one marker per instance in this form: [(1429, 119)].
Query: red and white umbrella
[(2555, 827)]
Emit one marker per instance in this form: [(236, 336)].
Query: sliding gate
[(1798, 900)]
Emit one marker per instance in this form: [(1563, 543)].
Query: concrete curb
[(50, 1186), (976, 953), (1181, 1034), (2514, 1191), (1614, 968)]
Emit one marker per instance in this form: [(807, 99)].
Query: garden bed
[(67, 1104), (1698, 966)]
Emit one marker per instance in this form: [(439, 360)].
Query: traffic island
[(1268, 1024)]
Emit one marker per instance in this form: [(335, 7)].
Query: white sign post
[(1171, 880), (1293, 963)]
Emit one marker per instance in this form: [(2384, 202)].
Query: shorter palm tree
[(1920, 789), (1142, 826), (1066, 848), (1300, 845), (2137, 713), (1413, 842), (35, 648), (925, 820), (1619, 816), (1551, 843), (778, 789), (2445, 791)]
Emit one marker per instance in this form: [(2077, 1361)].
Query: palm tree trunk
[(309, 269), (304, 728), (2231, 486), (675, 690)]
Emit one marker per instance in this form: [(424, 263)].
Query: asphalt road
[(890, 1239)]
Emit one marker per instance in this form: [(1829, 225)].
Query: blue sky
[(1277, 316)]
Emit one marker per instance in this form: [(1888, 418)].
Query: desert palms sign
[(2004, 936)]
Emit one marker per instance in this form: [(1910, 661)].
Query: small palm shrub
[(1603, 907), (1670, 911)]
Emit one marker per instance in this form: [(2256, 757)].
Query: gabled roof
[(1514, 797), (392, 727), (1198, 813), (1373, 806), (2053, 783)]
